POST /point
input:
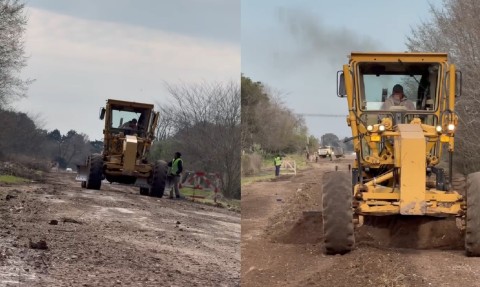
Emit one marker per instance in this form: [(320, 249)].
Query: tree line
[(21, 137), (267, 124)]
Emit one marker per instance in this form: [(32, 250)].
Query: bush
[(251, 164)]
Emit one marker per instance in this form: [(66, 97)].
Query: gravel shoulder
[(57, 234)]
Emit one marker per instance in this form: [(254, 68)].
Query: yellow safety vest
[(175, 165)]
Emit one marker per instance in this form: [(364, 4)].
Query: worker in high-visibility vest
[(278, 162), (176, 168)]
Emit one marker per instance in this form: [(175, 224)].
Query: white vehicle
[(325, 151), (330, 151)]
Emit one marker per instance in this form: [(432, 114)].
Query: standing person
[(176, 168), (277, 161)]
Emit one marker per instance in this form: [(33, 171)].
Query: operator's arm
[(386, 105), (410, 105)]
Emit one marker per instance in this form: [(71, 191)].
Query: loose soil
[(58, 234), (282, 242)]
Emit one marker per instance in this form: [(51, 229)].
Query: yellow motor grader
[(399, 147), (128, 136)]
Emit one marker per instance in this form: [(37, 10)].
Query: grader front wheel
[(337, 213), (95, 172)]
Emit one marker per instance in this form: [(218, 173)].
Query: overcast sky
[(82, 53), (296, 47)]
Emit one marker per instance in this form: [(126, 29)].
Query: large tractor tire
[(337, 213), (144, 191), (472, 232), (159, 179), (95, 172)]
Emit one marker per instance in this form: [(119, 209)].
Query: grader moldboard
[(398, 151), (125, 150)]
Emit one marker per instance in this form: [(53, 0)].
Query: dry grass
[(12, 179), (208, 197)]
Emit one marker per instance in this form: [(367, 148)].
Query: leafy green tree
[(330, 139), (267, 122), (253, 98)]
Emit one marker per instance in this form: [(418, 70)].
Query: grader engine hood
[(410, 151), (129, 154)]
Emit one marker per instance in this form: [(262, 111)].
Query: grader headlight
[(381, 128), (369, 128), (438, 129), (451, 127)]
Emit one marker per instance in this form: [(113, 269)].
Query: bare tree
[(454, 29), (12, 55), (203, 122), (75, 148)]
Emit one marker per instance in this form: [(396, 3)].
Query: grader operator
[(128, 136), (399, 147)]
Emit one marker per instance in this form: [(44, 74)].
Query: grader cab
[(399, 147), (128, 136)]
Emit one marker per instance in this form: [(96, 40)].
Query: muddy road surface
[(58, 234), (282, 242)]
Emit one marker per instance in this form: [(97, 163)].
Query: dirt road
[(282, 242), (57, 234)]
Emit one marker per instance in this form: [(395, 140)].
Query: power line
[(323, 115)]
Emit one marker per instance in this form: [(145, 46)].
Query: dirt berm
[(282, 242)]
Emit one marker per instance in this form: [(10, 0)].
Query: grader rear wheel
[(95, 172), (472, 232), (144, 191), (337, 213), (159, 179)]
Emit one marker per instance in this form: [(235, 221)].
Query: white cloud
[(79, 63)]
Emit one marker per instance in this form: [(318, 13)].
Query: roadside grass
[(12, 179), (207, 197), (256, 178)]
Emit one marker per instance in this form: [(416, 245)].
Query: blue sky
[(296, 47), (83, 52)]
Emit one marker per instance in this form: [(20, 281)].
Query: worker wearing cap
[(398, 98), (176, 168)]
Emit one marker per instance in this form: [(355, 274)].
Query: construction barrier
[(288, 167), (199, 180)]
